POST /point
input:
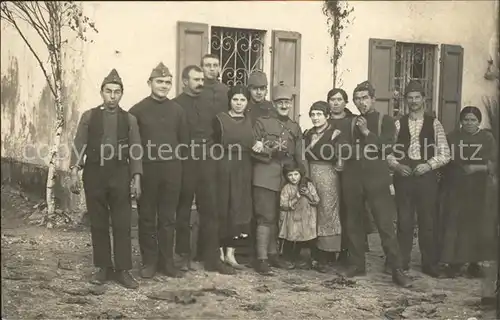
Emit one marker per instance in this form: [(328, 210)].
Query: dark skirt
[(469, 219), (234, 195)]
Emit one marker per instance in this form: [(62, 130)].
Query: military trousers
[(107, 193), (161, 186), (417, 194), (375, 188), (199, 178)]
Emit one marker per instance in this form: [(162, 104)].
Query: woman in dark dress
[(233, 131), (470, 223)]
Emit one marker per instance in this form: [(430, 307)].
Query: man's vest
[(426, 138), (96, 132)]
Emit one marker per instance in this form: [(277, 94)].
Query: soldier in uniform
[(366, 176), (279, 141), (163, 129), (258, 106), (105, 135)]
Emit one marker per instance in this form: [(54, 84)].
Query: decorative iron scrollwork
[(240, 51)]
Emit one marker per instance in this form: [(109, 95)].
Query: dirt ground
[(45, 276)]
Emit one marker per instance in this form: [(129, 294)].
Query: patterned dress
[(322, 161), (298, 215)]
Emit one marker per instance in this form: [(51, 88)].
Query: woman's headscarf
[(321, 106), (471, 109)]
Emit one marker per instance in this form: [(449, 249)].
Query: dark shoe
[(275, 261), (452, 271), (220, 268), (431, 271), (262, 267), (321, 267), (185, 263), (474, 270), (301, 264), (399, 278), (342, 259), (102, 275), (354, 271), (148, 271), (124, 278), (388, 268), (170, 270)]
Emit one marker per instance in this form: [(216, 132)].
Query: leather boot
[(102, 275), (262, 267), (124, 278), (170, 270), (399, 278), (354, 271), (277, 262), (148, 271), (230, 259)]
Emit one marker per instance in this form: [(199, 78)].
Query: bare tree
[(339, 18), (48, 20)]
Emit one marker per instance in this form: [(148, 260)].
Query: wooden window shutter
[(285, 66), (450, 85), (192, 44), (381, 69)]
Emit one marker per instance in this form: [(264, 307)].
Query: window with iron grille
[(414, 61), (241, 51)]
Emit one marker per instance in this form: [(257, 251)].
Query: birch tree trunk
[(52, 174)]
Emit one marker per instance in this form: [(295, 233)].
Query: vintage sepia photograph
[(312, 159)]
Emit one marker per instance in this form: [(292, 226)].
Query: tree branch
[(42, 32), (13, 22)]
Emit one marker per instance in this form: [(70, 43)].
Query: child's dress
[(298, 215)]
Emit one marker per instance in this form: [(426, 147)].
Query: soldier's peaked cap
[(160, 70), (282, 92), (364, 86), (112, 77), (257, 79)]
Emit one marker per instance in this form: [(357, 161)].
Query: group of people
[(254, 173)]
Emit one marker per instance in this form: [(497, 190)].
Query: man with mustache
[(199, 174), (258, 106), (279, 141), (421, 149), (163, 128), (366, 176), (106, 135)]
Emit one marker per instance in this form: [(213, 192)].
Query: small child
[(298, 202)]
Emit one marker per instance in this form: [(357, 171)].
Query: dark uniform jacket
[(256, 110)]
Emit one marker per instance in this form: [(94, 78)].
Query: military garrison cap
[(282, 92), (112, 77), (364, 86), (257, 79), (160, 71), (414, 86)]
